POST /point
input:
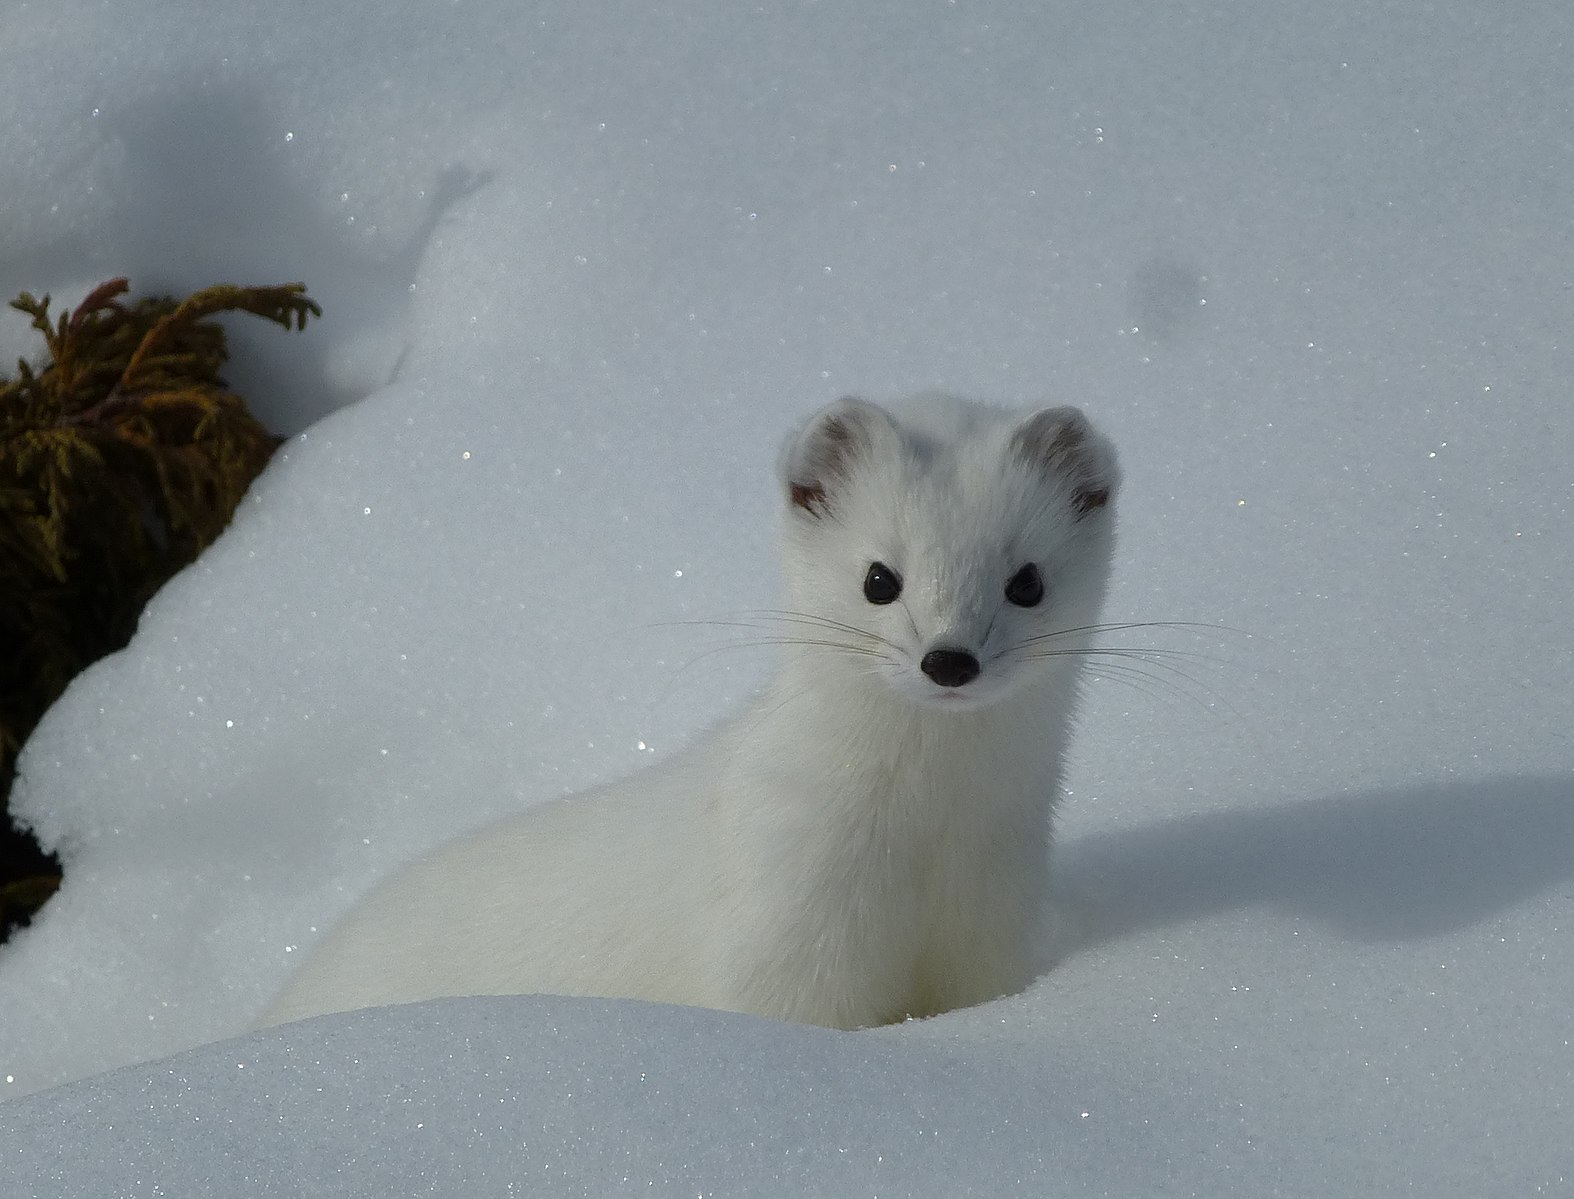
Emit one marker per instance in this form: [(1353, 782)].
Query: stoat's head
[(955, 550)]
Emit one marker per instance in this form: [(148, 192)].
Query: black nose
[(950, 667)]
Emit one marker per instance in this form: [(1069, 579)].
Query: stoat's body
[(869, 839)]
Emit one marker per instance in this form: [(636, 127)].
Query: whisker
[(732, 623), (775, 628), (1156, 655), (1174, 675), (759, 642), (1158, 665), (1128, 625), (1159, 689), (761, 619), (789, 616)]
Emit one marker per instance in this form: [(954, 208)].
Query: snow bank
[(555, 1096)]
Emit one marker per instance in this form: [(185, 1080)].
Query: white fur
[(859, 845)]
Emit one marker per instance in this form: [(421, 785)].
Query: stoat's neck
[(852, 736)]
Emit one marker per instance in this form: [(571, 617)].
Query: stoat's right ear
[(1063, 443), (824, 454)]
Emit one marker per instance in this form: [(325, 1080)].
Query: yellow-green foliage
[(120, 460)]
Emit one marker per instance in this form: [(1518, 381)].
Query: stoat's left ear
[(820, 459), (1064, 443)]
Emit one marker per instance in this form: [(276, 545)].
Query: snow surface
[(582, 265)]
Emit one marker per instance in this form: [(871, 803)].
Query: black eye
[(1026, 587), (881, 584)]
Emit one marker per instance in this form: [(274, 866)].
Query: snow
[(582, 266)]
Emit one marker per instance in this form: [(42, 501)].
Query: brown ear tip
[(1089, 498), (808, 496), (837, 432)]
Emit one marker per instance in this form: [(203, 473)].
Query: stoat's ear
[(1064, 443), (826, 452)]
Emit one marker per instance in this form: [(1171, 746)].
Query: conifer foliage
[(120, 459)]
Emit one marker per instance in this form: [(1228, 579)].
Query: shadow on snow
[(1376, 866)]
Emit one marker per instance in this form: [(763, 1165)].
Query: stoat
[(869, 839)]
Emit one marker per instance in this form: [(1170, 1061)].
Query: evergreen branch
[(282, 305)]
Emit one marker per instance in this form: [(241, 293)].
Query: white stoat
[(869, 839)]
